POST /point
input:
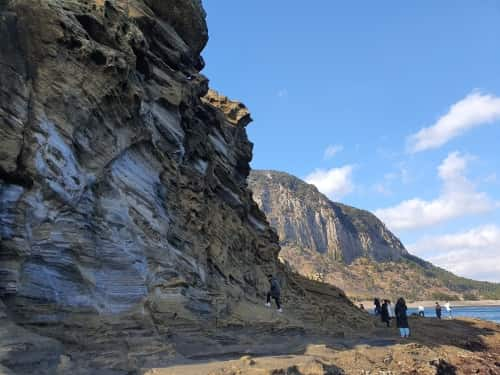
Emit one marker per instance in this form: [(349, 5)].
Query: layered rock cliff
[(351, 248), (126, 221), (306, 218)]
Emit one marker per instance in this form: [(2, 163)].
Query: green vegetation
[(362, 273), (470, 289), (439, 296)]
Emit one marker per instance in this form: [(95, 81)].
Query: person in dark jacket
[(376, 303), (384, 313), (438, 310), (274, 293), (402, 318)]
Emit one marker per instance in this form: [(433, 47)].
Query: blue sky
[(388, 106)]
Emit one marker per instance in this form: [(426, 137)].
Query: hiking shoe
[(280, 310), (268, 304)]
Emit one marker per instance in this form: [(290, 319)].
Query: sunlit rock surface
[(125, 216), (304, 217)]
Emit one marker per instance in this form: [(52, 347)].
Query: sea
[(491, 313)]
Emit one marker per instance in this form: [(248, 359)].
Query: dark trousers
[(276, 299), (421, 313)]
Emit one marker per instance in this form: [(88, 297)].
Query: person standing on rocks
[(274, 292), (421, 311), (391, 310), (438, 310), (376, 303), (402, 318), (384, 313), (447, 306)]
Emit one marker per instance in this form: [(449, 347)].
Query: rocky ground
[(436, 347)]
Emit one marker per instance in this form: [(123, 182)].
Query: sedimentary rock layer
[(306, 218), (124, 206)]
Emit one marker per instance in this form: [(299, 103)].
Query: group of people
[(385, 311), (439, 310), (447, 307)]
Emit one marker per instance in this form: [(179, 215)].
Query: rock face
[(118, 181), (351, 248), (124, 208), (304, 217)]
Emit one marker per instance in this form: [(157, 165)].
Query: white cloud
[(332, 150), (475, 110), (458, 198), (474, 253), (335, 182)]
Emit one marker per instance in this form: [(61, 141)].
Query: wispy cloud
[(282, 93), (458, 198), (474, 253), (335, 183), (401, 175), (475, 110), (382, 188), (332, 150)]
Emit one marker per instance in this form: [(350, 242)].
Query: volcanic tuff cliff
[(350, 248), (126, 223), (304, 217)]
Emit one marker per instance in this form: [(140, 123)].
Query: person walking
[(376, 303), (384, 313), (402, 318), (447, 306), (438, 310), (274, 292)]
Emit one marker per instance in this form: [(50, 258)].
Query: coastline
[(431, 303)]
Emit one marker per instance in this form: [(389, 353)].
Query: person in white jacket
[(421, 311), (447, 307), (391, 310)]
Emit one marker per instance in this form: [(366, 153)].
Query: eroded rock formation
[(351, 248), (304, 217), (124, 208)]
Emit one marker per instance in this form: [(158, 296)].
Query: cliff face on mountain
[(304, 217), (351, 248), (126, 221)]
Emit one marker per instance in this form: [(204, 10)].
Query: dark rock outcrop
[(126, 221)]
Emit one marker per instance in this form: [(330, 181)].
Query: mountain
[(128, 233), (349, 247)]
